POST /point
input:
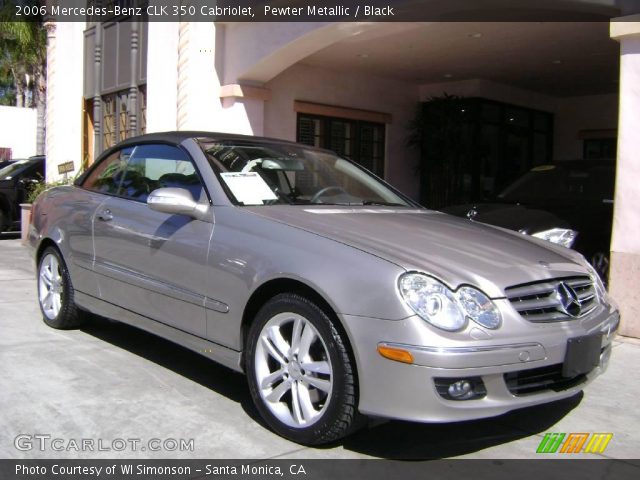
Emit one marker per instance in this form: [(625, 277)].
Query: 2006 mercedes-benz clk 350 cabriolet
[(338, 296)]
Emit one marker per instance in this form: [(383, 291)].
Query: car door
[(150, 262)]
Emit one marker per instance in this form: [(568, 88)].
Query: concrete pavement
[(109, 382)]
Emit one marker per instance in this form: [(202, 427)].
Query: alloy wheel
[(50, 286), (293, 370)]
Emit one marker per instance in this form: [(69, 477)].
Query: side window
[(107, 176), (36, 172), (159, 166)]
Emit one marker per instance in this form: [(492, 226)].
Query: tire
[(55, 292), (307, 393), (3, 221)]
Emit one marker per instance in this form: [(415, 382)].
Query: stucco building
[(549, 90)]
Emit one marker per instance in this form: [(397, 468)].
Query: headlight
[(559, 236), (479, 307), (601, 291), (432, 300), (437, 304)]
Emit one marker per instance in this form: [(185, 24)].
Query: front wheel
[(55, 292), (299, 372)]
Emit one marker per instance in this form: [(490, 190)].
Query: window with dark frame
[(600, 148), (109, 121), (117, 125), (123, 116), (142, 106), (472, 148), (362, 142)]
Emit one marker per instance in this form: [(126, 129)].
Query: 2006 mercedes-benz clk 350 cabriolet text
[(339, 297)]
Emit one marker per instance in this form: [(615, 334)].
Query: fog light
[(470, 388), (460, 390)]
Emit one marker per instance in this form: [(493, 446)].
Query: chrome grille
[(539, 301)]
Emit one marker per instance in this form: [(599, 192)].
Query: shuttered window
[(362, 142)]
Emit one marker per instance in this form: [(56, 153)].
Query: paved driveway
[(110, 382)]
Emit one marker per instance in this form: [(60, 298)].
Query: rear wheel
[(3, 221), (55, 292), (299, 372)]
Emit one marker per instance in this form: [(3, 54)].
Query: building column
[(52, 87), (624, 275), (162, 76), (97, 99), (64, 97), (133, 85), (198, 105)]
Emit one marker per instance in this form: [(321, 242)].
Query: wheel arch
[(42, 246), (273, 287)]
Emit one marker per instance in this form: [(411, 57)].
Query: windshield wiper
[(339, 204), (382, 203), (284, 196)]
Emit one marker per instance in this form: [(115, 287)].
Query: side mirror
[(176, 201)]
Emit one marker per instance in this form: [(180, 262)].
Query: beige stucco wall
[(574, 114), (492, 90), (162, 76), (64, 97), (18, 130), (624, 275), (347, 89)]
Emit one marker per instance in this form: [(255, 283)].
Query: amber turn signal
[(396, 354)]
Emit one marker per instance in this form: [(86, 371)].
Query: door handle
[(105, 215)]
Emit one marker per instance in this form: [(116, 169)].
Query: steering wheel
[(324, 190)]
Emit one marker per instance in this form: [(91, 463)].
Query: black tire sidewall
[(318, 431)]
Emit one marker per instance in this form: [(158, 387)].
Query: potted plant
[(437, 132)]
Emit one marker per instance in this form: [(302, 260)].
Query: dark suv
[(6, 163), (569, 203), (15, 181)]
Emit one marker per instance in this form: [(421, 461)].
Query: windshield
[(561, 182), (259, 174), (9, 171)]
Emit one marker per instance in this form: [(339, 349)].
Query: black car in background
[(569, 203), (5, 163), (15, 181)]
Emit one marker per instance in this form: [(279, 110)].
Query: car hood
[(456, 251), (512, 216)]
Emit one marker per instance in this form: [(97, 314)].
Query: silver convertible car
[(339, 297)]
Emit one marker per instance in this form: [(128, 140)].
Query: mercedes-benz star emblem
[(568, 301)]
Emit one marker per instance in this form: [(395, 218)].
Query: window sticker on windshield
[(248, 187)]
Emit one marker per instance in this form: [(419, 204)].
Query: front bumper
[(391, 389)]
